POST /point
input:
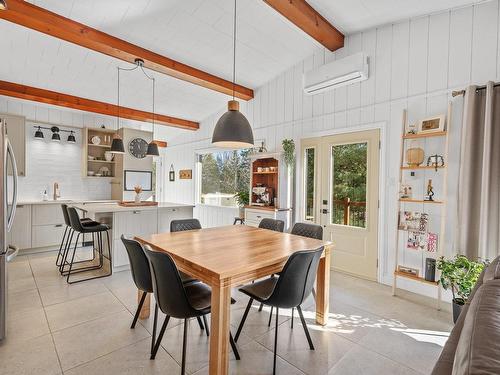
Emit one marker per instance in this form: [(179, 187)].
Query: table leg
[(146, 308), (323, 289), (219, 335)]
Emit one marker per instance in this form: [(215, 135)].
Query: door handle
[(10, 152)]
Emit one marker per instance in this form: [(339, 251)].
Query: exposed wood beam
[(26, 14), (69, 101), (304, 16)]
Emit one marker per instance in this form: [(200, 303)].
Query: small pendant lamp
[(117, 143), (152, 146), (233, 129)]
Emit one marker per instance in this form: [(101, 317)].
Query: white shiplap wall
[(414, 65)]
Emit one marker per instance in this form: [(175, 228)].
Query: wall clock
[(138, 148)]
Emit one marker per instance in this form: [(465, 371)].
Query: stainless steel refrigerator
[(8, 200)]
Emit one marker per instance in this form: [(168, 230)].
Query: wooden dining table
[(229, 256)]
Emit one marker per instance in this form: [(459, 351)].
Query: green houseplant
[(459, 275), (242, 199)]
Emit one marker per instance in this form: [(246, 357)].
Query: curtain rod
[(462, 92)]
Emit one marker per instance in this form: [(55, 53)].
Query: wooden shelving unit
[(97, 151), (440, 203)]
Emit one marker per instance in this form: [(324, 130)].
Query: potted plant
[(459, 275), (242, 199)]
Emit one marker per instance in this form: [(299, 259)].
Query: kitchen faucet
[(56, 191)]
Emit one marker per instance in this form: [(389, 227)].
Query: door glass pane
[(309, 184), (349, 164)]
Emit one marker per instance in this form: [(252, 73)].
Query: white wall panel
[(419, 36), (437, 69), (460, 44), (399, 64)]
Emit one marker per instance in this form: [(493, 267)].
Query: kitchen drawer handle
[(19, 205), (58, 225), (136, 212), (258, 216)]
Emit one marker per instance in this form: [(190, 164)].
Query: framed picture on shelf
[(405, 191), (413, 221), (416, 241), (431, 124), (432, 240)]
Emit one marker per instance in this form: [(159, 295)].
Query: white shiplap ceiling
[(195, 32)]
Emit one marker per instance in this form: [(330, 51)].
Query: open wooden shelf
[(265, 172), (424, 135), (415, 278), (101, 161), (421, 167), (418, 201), (105, 146)]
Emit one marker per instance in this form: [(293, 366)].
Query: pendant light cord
[(234, 49)]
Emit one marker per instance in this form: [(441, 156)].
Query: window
[(350, 164), (223, 174)]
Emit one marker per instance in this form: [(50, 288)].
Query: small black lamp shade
[(39, 133), (71, 137), (233, 129), (3, 5), (117, 145), (153, 149), (55, 134)]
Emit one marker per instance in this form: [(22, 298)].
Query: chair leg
[(139, 308), (200, 323), (155, 323), (311, 346), (233, 346), (291, 324), (314, 294), (260, 307), (270, 317), (206, 325), (72, 258), (63, 242), (275, 341), (240, 327), (66, 251), (160, 337), (184, 344)]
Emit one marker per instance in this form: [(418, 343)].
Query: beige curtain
[(479, 176)]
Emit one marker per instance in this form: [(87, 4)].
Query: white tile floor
[(55, 328)]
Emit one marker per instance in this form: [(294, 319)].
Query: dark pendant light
[(39, 133), (117, 143), (153, 149), (3, 5), (55, 134), (233, 129), (152, 146), (71, 137)]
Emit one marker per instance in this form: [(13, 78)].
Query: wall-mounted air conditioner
[(342, 72)]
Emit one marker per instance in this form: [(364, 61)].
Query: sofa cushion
[(492, 272), (479, 343), (444, 365)]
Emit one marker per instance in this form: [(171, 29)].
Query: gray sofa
[(474, 343)]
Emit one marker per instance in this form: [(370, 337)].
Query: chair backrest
[(167, 285), (185, 224), (74, 219), (297, 279), (308, 230), (272, 224), (139, 264), (64, 208)]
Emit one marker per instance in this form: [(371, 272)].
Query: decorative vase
[(108, 156), (458, 305), (138, 198), (415, 156)]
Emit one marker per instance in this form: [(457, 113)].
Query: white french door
[(341, 192)]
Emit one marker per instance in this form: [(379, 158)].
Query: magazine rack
[(406, 207)]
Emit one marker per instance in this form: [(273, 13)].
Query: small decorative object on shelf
[(405, 192), (415, 156), (432, 124), (412, 129), (171, 174), (430, 269), (430, 192), (432, 239), (408, 270), (435, 161), (413, 221), (416, 241), (138, 191), (109, 156)]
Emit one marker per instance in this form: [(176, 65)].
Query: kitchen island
[(133, 221)]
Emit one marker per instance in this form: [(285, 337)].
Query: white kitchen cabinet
[(16, 132), (253, 216), (47, 235), (44, 214), (20, 233), (166, 215)]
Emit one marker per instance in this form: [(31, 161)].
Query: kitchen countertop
[(64, 200), (114, 207)]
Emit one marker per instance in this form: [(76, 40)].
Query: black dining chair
[(184, 224), (178, 300), (96, 230), (287, 291), (272, 224), (141, 274)]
